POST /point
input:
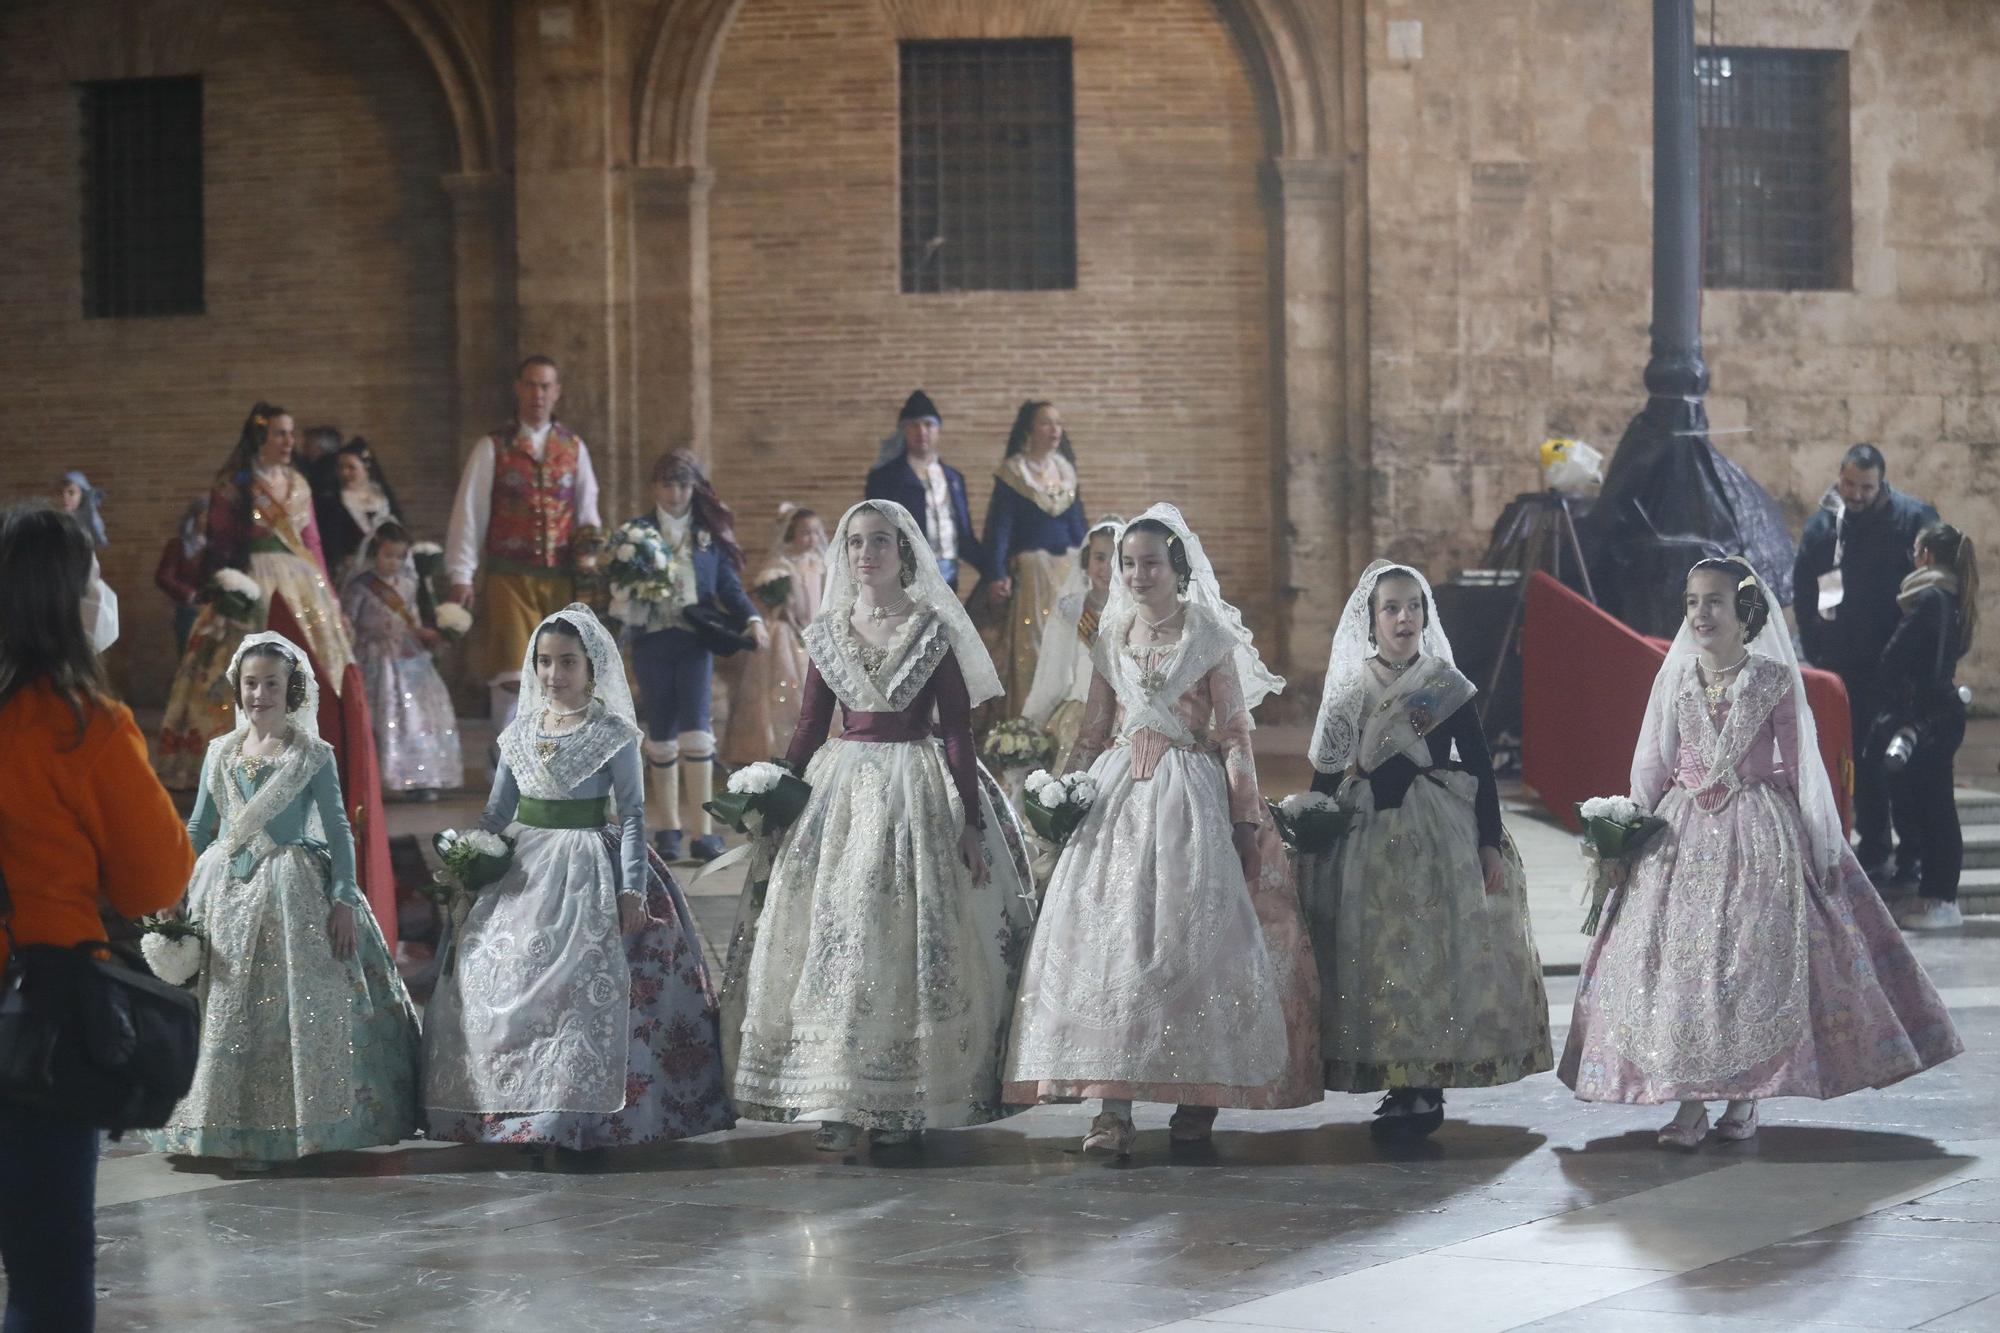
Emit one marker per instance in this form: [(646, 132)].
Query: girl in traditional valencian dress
[(1063, 671), (1170, 963), (1034, 525), (1429, 976), (573, 1009), (764, 705), (1744, 955), (882, 965), (308, 1040), (416, 727), (260, 520)]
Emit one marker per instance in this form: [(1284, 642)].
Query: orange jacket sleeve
[(142, 844)]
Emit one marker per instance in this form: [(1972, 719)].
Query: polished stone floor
[(1881, 1210)]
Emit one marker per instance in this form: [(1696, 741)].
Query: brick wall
[(328, 280), (1509, 198), (1159, 359)]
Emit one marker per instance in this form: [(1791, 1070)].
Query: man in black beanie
[(909, 471)]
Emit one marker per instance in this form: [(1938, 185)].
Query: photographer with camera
[(1856, 552), (1918, 734), (83, 822)]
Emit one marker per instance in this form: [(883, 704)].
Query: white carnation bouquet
[(232, 593), (453, 621), (1017, 743), (760, 797), (1615, 830), (428, 557), (641, 564), (174, 947), (1056, 806), (1310, 822), (470, 861)]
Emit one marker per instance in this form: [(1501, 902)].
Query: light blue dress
[(301, 1052)]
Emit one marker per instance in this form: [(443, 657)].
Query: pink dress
[(1730, 966)]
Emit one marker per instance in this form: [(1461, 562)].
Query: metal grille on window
[(989, 166), (1776, 187), (142, 205)]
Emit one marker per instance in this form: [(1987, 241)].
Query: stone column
[(563, 232), (669, 248), (1321, 473), (1676, 368), (483, 306)]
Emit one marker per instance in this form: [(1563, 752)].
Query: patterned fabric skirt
[(416, 727), (873, 982), (1426, 980), (301, 1052), (1013, 629), (1725, 968), (674, 1086), (764, 701)]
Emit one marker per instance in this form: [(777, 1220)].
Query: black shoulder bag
[(88, 1033)]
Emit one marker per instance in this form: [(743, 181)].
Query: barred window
[(1777, 208), (142, 221), (989, 166)]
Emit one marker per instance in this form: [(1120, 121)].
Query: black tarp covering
[(1671, 498)]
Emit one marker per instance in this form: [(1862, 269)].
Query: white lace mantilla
[(581, 753), (243, 817), (908, 660), (1147, 698)]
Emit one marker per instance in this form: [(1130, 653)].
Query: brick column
[(483, 305), (1322, 474), (669, 248)]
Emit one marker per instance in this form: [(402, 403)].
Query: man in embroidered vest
[(909, 471), (526, 507)]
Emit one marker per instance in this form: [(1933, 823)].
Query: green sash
[(591, 812)]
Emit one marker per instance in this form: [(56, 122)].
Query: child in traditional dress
[(1745, 954), (674, 666), (75, 496), (1170, 962), (308, 1040), (574, 1009), (1062, 670), (1429, 976), (764, 706), (883, 960), (416, 727)]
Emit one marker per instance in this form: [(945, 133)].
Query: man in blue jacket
[(910, 472), (1853, 557)]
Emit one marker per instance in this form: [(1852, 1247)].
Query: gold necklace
[(1719, 686)]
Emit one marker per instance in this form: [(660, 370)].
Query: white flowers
[(1617, 809), (453, 620), (175, 959), (237, 582), (1306, 802), (486, 844), (425, 550), (624, 551), (756, 779), (1077, 791)]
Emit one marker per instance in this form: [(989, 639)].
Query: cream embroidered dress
[(873, 983), (1157, 972), (1063, 670), (1034, 525), (1427, 980), (301, 1052)]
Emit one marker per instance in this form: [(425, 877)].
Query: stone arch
[(467, 89)]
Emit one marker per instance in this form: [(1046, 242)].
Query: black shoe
[(668, 842), (1426, 1112), (1906, 879), (706, 848)]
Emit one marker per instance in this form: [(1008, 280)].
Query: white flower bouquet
[(232, 593), (428, 557), (1017, 743), (1310, 822), (453, 621), (472, 860), (761, 797), (641, 564), (773, 593), (174, 948), (1615, 829), (1056, 806)]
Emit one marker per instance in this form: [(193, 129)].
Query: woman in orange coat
[(83, 823)]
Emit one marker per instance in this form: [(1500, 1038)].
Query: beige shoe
[(1111, 1135), (1674, 1134)]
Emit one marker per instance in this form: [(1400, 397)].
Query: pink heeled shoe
[(1736, 1131), (1674, 1134)]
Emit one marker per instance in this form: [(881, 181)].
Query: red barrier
[(1585, 680)]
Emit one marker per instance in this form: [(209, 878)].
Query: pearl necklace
[(1398, 667), (889, 612), (1154, 625), (1719, 686)]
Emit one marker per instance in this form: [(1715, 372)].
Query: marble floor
[(1528, 1210)]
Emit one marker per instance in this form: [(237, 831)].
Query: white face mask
[(100, 612)]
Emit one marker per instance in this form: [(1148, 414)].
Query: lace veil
[(1343, 697), (1061, 650), (1258, 681), (1660, 735), (609, 686), (306, 716), (928, 589)]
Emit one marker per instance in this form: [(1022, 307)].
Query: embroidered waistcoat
[(533, 516)]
